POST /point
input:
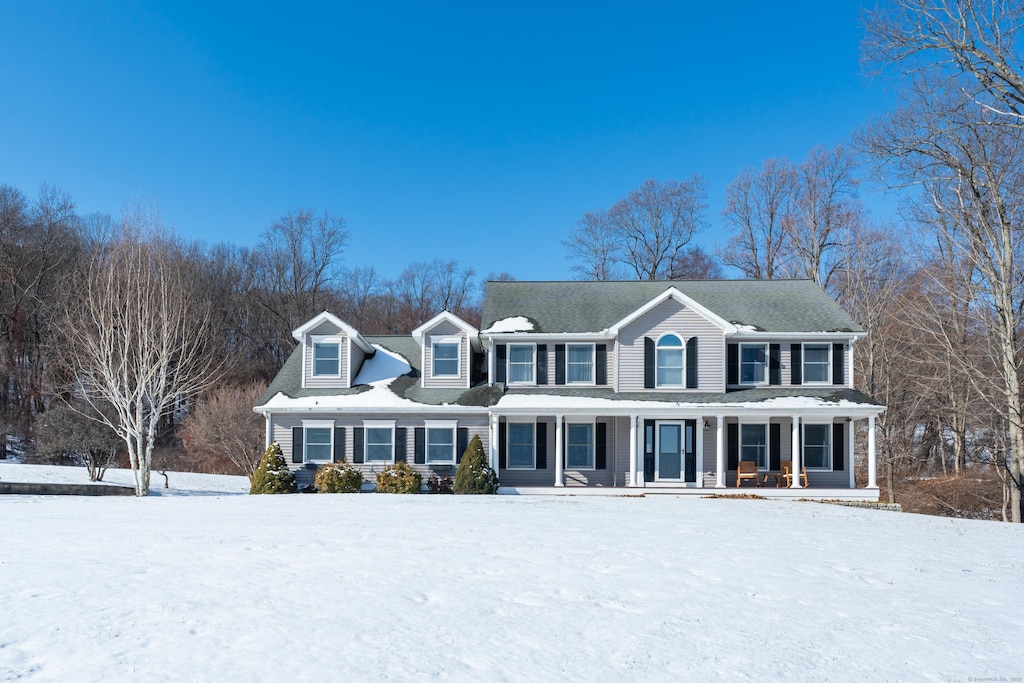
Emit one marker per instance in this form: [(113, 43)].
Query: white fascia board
[(796, 336), (470, 331), (299, 332), (673, 293)]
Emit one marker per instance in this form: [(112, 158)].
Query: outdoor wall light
[(707, 426)]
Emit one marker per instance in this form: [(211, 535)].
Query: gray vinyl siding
[(816, 478), (671, 316), (445, 328), (358, 356), (609, 363), (786, 360), (596, 477), (621, 445), (537, 477), (325, 328)]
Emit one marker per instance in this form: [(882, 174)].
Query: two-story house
[(591, 386)]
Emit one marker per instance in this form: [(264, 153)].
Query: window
[(817, 446), (670, 361), (446, 358), (579, 447), (520, 363), (520, 446), (440, 444), (579, 363), (318, 444), (754, 444), (817, 367), (380, 441), (753, 361), (327, 358)]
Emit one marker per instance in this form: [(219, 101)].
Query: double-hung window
[(521, 446), (579, 446), (670, 361), (817, 446), (445, 352), (440, 442), (754, 444), (817, 367), (753, 363), (520, 363), (326, 357), (579, 363), (317, 440), (380, 441)]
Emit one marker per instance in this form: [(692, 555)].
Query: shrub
[(334, 478), (436, 484), (475, 474), (399, 478), (272, 474)]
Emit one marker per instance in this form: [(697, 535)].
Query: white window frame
[(377, 424), (739, 363), (682, 449), (440, 425), (803, 364), (593, 445), (682, 363), (508, 444), (767, 444), (828, 442), (323, 340), (533, 364), (317, 424), (457, 341), (593, 365)]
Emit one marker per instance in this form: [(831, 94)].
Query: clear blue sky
[(477, 131)]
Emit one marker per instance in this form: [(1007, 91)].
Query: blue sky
[(475, 131)]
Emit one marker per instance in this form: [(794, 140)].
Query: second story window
[(817, 368), (327, 358), (753, 363), (670, 361), (446, 357), (579, 363), (520, 363)]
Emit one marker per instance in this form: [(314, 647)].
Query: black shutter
[(774, 364), (461, 443), (502, 445), (400, 444), (774, 446), (419, 450), (796, 364), (559, 363), (732, 440), (542, 363), (499, 364), (358, 449), (649, 426), (297, 444), (691, 363), (601, 446), (649, 361), (733, 371), (339, 444), (541, 450), (601, 364), (838, 355), (837, 446)]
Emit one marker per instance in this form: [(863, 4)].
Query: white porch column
[(872, 465), (494, 443), (268, 437), (720, 452), (631, 478), (559, 474), (795, 464), (849, 450)]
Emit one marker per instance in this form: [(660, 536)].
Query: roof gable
[(673, 293), (299, 332), (443, 316)]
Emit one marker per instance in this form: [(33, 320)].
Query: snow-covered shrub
[(474, 474), (399, 478), (436, 484), (338, 478), (272, 474)]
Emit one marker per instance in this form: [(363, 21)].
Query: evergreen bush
[(272, 474), (474, 474), (436, 484), (338, 478), (399, 478)]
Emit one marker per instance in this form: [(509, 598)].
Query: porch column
[(795, 463), (268, 437), (631, 478), (559, 475), (494, 443), (849, 449), (720, 452), (872, 466)]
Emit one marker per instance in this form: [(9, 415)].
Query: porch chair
[(747, 470), (787, 474)]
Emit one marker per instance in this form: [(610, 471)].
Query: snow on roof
[(516, 323), (550, 402), (383, 365)]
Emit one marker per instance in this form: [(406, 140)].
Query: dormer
[(332, 352), (447, 345)]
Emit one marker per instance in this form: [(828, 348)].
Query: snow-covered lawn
[(355, 587)]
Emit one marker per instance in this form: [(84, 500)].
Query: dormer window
[(445, 353), (520, 363), (670, 361), (327, 357), (753, 363)]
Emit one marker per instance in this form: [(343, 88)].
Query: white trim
[(803, 364), (324, 340), (508, 365), (593, 364), (682, 350), (377, 424), (299, 333), (803, 444), (673, 293), (796, 336), (440, 425), (561, 337), (447, 340), (767, 440), (471, 332), (317, 424), (767, 364), (592, 423), (508, 444), (682, 451)]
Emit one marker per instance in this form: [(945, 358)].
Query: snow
[(517, 323), (382, 365), (179, 483), (544, 402), (318, 587)]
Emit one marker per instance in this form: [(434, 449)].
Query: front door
[(675, 451)]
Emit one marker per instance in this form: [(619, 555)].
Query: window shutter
[(649, 427), (358, 449), (541, 450), (774, 446), (601, 364), (601, 445), (400, 444), (774, 364), (542, 363), (649, 361), (691, 363), (500, 369), (296, 444), (461, 443), (419, 453), (559, 363), (837, 446), (733, 371), (732, 448), (838, 371), (339, 444), (502, 445), (796, 364)]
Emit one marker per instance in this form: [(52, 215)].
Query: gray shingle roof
[(767, 305)]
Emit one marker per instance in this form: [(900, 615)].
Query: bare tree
[(64, 434), (693, 263), (759, 207), (595, 247), (224, 424)]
